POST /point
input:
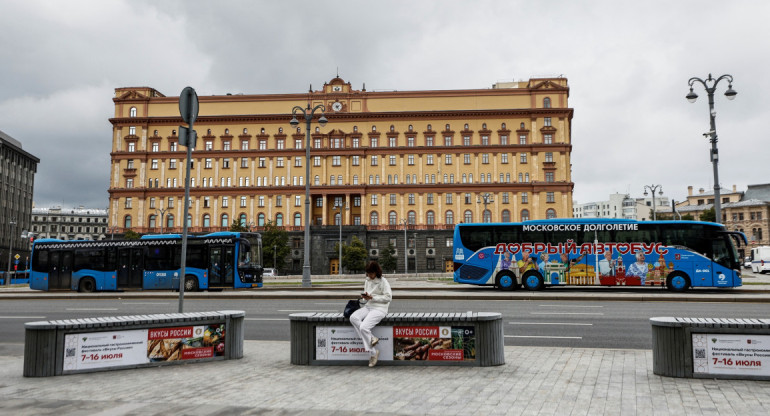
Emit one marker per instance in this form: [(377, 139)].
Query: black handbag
[(352, 306)]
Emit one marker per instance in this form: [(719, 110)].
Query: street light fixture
[(307, 113), (339, 207), (11, 237), (730, 94), (652, 189), (487, 199), (162, 212)]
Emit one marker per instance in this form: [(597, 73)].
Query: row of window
[(337, 180), (68, 219), (755, 216), (356, 199), (66, 229), (374, 218)]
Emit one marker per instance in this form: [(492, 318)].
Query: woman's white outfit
[(372, 312)]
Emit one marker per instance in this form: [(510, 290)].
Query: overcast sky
[(627, 63)]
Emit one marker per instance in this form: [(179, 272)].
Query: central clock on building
[(337, 106)]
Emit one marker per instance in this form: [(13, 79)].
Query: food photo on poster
[(434, 343)]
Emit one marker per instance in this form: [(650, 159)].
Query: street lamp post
[(652, 189), (12, 223), (307, 113), (339, 266), (691, 97), (406, 259), (275, 248), (162, 212), (487, 199)]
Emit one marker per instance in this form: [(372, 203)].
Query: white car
[(747, 263), (269, 272)]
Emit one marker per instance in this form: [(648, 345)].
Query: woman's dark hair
[(374, 267)]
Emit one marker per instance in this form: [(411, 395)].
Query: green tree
[(688, 217), (354, 256), (275, 245), (708, 215), (131, 235), (388, 260), (236, 227)]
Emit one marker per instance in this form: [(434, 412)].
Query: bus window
[(40, 261), (90, 259)]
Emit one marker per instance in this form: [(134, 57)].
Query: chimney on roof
[(689, 190), (701, 190), (735, 188)]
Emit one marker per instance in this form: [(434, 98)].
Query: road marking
[(145, 303), (302, 310), (91, 309), (22, 317), (574, 306), (540, 336), (266, 319), (566, 313), (548, 323)]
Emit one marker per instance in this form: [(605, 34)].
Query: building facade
[(622, 206), (17, 180), (415, 160), (70, 224)]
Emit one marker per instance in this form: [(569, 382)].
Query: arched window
[(525, 215), (546, 102), (242, 220), (487, 215), (374, 218), (152, 221), (392, 218), (127, 222), (225, 220), (261, 220), (317, 180), (449, 218), (430, 218), (170, 221), (297, 219), (279, 219), (132, 112), (505, 216), (411, 217), (468, 216), (550, 213), (206, 220)]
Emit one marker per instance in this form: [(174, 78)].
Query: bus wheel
[(533, 281), (506, 281), (677, 282), (87, 285), (190, 284)]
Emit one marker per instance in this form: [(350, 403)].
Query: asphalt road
[(594, 324)]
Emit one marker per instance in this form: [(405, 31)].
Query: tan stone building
[(428, 158)]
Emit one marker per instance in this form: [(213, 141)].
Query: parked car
[(747, 263), (269, 272)]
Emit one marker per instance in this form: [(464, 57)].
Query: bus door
[(130, 268), (60, 270), (220, 266)]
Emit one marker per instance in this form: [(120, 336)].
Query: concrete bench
[(464, 339), (711, 348), (53, 348)]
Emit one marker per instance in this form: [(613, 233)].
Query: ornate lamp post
[(406, 259), (710, 84), (339, 207), (11, 237), (652, 189), (162, 212), (487, 199), (307, 113)]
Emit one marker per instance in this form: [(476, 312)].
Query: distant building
[(70, 224), (17, 179), (620, 206)]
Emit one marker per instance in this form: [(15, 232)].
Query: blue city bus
[(222, 260), (600, 252)]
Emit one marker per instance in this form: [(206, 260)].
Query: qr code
[(700, 353), (70, 352), (322, 343)]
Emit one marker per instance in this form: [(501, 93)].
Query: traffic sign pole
[(188, 108)]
